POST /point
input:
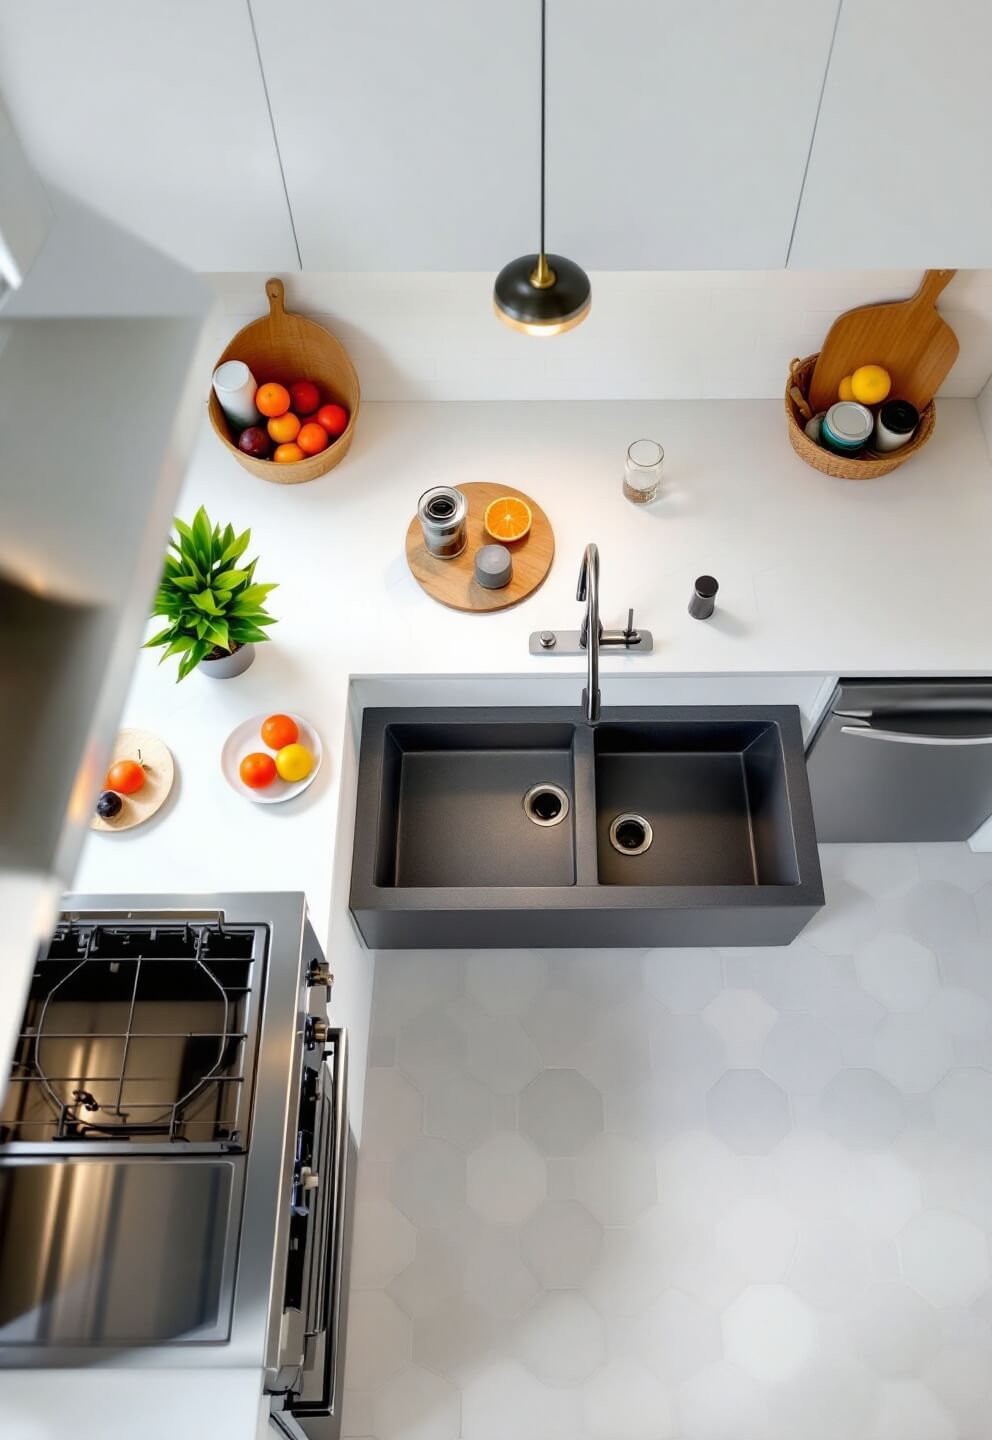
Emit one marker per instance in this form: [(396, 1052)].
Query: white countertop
[(816, 575)]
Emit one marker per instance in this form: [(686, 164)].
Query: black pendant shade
[(542, 294)]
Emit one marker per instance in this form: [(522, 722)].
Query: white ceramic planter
[(225, 667)]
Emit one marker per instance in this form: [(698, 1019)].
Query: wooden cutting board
[(453, 582), (908, 337)]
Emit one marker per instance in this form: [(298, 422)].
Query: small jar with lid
[(846, 428), (895, 425)]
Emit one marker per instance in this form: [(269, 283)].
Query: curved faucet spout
[(588, 590)]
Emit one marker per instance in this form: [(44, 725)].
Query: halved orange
[(507, 518)]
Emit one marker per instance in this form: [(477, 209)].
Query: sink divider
[(584, 807)]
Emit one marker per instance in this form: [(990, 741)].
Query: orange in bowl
[(312, 438), (284, 428), (272, 399), (287, 454), (507, 519)]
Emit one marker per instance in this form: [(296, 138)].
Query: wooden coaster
[(160, 772), (453, 582)]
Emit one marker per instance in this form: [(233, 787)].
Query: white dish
[(246, 739)]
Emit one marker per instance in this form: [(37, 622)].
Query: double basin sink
[(531, 827)]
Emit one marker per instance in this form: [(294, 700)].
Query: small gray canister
[(493, 567), (442, 512)]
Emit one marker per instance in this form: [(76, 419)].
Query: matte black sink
[(504, 827)]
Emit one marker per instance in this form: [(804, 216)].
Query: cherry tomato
[(257, 770), (305, 396), (126, 777), (279, 730), (334, 419)]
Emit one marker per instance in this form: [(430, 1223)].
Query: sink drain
[(631, 834), (545, 804)]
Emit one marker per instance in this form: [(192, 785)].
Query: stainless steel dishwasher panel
[(117, 1252), (903, 760)]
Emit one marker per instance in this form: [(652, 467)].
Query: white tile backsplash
[(650, 335)]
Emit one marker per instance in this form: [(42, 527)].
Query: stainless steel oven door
[(312, 1400), (111, 1253)]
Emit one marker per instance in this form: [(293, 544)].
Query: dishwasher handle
[(906, 737)]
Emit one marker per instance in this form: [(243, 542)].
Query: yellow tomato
[(845, 390), (294, 762), (870, 384)]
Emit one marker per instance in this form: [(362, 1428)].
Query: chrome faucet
[(592, 636), (592, 631)]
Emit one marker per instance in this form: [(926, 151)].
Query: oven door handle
[(906, 737)]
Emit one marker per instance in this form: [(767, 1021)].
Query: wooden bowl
[(285, 347), (864, 467)]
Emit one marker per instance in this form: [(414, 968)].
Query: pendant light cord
[(544, 69)]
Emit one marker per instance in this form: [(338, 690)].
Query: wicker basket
[(285, 347), (866, 468)]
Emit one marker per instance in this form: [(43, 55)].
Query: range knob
[(319, 973), (316, 1032), (309, 1179)]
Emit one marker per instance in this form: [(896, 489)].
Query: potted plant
[(214, 607)]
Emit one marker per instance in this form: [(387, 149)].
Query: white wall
[(651, 334)]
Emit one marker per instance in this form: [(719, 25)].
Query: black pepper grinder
[(703, 601)]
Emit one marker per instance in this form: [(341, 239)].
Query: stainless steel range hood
[(98, 405)]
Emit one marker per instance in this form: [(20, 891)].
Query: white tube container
[(235, 388)]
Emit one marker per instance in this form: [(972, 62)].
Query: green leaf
[(178, 646), (217, 634), (192, 659), (188, 583), (244, 632), (205, 601), (228, 579), (234, 548), (161, 638), (202, 626), (183, 529), (249, 597)]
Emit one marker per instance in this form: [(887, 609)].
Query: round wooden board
[(160, 772), (453, 582)]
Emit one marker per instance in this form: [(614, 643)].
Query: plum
[(109, 805), (256, 442)]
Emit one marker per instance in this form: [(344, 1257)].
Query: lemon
[(870, 384), (294, 762), (844, 391)]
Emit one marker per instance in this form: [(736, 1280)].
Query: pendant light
[(542, 294)]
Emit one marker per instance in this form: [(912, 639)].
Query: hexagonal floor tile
[(962, 1104), (507, 1180), (505, 982), (801, 1054), (410, 982), (881, 1193), (899, 971), (678, 1336), (433, 1276), (881, 870), (760, 1237), (494, 1275), (749, 1112), (742, 1019), (629, 1273), (912, 1052), (561, 1339), (617, 1056), (561, 1242), (832, 1263), (624, 1401), (431, 1049), (615, 1179), (945, 1257), (379, 1339), (383, 1244), (456, 1340), (862, 1110), (500, 1054), (722, 1403), (393, 1114), (460, 1109), (909, 1410), (768, 1332), (683, 980), (940, 914), (428, 1183), (686, 1045), (416, 1405), (506, 1399), (831, 1398), (559, 1022), (561, 1112), (699, 1177), (894, 1331)]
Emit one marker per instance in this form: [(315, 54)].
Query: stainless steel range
[(173, 1149)]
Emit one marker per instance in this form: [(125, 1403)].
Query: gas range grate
[(138, 1032)]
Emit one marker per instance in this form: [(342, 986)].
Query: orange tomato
[(312, 438), (287, 454), (305, 396), (334, 419), (272, 399), (257, 770), (283, 428), (126, 777), (280, 730)]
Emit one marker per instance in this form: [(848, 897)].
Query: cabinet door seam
[(275, 137), (812, 138)]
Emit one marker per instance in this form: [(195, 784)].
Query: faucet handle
[(630, 635)]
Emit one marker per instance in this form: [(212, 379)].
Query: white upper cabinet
[(154, 113), (408, 131), (678, 130), (900, 173)]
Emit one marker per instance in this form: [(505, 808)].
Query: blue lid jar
[(846, 428)]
